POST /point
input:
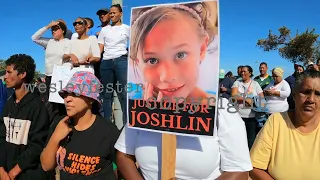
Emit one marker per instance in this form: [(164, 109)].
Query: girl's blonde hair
[(145, 20)]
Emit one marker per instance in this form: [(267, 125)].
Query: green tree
[(303, 47), (2, 65), (36, 76)]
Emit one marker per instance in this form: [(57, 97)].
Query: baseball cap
[(222, 73), (103, 10)]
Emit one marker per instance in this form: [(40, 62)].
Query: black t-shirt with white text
[(89, 154)]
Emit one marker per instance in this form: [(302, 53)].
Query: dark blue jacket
[(3, 95), (291, 81), (227, 83)]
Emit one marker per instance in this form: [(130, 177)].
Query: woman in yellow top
[(288, 146)]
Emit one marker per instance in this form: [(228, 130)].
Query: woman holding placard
[(84, 50), (54, 51), (168, 44), (55, 47)]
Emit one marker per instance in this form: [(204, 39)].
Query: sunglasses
[(55, 28), (78, 22)]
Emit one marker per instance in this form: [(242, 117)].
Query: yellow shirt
[(286, 153)]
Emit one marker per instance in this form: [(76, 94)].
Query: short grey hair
[(304, 75)]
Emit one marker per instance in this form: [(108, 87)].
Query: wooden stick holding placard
[(169, 147)]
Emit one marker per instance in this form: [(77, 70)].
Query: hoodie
[(23, 132)]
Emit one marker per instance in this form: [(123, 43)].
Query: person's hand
[(267, 92), (270, 92), (74, 60), (12, 174), (148, 92), (53, 23), (97, 33), (222, 88), (3, 174), (88, 58), (62, 130)]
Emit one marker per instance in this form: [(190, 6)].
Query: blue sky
[(242, 23)]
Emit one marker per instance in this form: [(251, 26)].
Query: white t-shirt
[(250, 89), (202, 158), (82, 48), (275, 103), (74, 35), (115, 40)]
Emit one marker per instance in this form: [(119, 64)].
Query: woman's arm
[(234, 94), (37, 37), (234, 176), (101, 46), (127, 166), (101, 40), (48, 155), (259, 174), (284, 92), (94, 59), (66, 58), (95, 54)]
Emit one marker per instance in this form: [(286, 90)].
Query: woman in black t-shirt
[(81, 144)]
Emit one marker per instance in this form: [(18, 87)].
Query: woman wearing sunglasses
[(84, 50), (54, 51), (81, 144)]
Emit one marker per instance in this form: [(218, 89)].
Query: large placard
[(174, 65)]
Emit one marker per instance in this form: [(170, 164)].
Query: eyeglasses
[(78, 22)]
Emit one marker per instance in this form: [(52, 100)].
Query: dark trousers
[(252, 130), (48, 82), (114, 77)]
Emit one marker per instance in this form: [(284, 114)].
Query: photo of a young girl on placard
[(168, 47), (174, 53)]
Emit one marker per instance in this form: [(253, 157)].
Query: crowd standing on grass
[(273, 135)]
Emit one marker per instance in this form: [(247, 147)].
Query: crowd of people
[(273, 135)]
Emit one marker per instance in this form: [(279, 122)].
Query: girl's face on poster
[(171, 55)]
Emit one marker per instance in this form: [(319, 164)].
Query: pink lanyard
[(275, 87), (248, 87)]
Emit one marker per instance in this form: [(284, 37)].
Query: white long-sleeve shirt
[(275, 103), (54, 49)]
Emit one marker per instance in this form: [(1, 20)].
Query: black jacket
[(23, 132)]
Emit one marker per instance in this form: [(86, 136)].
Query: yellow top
[(286, 153)]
